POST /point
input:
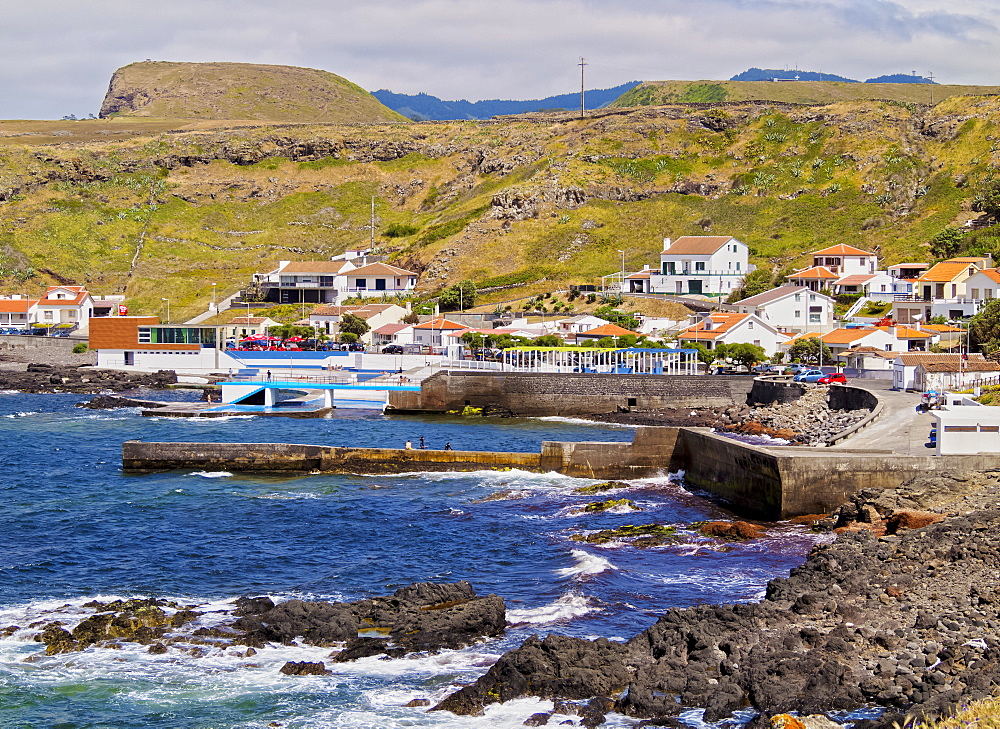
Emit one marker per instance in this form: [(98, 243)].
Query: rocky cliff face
[(239, 91)]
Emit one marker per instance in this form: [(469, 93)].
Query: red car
[(831, 378)]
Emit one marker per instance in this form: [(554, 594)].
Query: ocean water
[(75, 528)]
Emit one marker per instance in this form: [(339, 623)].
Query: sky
[(57, 56)]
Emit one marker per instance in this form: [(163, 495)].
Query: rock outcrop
[(909, 621), (39, 378)]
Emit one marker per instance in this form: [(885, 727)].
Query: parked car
[(809, 375), (796, 368), (392, 349), (833, 377)]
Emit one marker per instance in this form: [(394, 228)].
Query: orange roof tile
[(816, 272), (721, 323), (440, 323), (841, 250), (992, 274), (16, 305), (326, 267), (944, 272), (846, 336), (380, 269), (697, 245), (942, 328), (606, 330), (910, 333)]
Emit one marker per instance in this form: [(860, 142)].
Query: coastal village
[(701, 395)]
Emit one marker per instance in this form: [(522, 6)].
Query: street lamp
[(168, 309), (213, 300)]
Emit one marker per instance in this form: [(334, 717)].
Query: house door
[(380, 284), (130, 359), (694, 286)]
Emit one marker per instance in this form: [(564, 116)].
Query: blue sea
[(76, 528)]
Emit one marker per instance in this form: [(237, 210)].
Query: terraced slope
[(239, 91)]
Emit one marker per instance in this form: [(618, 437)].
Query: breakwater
[(772, 482)]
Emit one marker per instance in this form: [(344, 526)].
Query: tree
[(291, 330), (460, 296), (947, 243), (745, 354), (984, 328), (475, 340), (755, 282), (348, 337), (611, 314), (811, 350), (353, 324), (987, 199), (548, 340), (705, 355)]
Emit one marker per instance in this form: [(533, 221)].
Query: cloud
[(56, 57)]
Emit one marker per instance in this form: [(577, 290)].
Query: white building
[(569, 328), (983, 285), (732, 328), (927, 371), (844, 260), (248, 326), (701, 265), (791, 309), (65, 306), (380, 279), (326, 319)]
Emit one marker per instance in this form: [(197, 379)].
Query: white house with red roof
[(16, 311), (699, 265), (605, 330), (65, 306), (392, 334), (380, 279), (730, 328), (248, 326), (305, 282), (983, 285), (432, 333), (326, 318), (844, 260), (793, 309), (814, 278)]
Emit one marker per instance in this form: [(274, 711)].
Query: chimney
[(666, 243)]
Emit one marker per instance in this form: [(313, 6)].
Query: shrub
[(80, 348), (400, 230)]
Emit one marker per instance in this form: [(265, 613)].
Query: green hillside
[(545, 201), (162, 89), (655, 93)]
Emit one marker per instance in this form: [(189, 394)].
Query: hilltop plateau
[(165, 89), (654, 93), (532, 202)]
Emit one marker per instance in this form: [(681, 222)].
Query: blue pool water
[(75, 528)]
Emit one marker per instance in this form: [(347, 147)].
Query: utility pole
[(371, 225), (930, 77), (583, 108)]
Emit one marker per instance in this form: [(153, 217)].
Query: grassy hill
[(655, 93), (162, 89), (538, 202)]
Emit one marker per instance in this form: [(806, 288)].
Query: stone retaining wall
[(568, 394)]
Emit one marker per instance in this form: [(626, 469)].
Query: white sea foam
[(569, 606), (211, 474), (21, 414), (583, 421), (586, 564)]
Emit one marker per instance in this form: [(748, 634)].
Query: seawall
[(572, 395)]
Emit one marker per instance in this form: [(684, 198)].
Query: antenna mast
[(583, 111)]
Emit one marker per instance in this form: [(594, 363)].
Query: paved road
[(901, 427)]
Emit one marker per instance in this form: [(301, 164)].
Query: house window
[(144, 335), (669, 269), (737, 265), (812, 297), (798, 297), (814, 318), (988, 293), (798, 314), (756, 342), (749, 325), (975, 293), (72, 314), (47, 315), (699, 266), (361, 283)]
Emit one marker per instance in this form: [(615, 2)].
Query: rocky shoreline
[(806, 421), (902, 611), (83, 380)]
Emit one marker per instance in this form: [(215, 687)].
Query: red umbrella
[(295, 339)]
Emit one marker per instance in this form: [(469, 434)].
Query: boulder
[(304, 668)]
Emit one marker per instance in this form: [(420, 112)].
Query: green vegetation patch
[(598, 488), (597, 506), (642, 535)]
